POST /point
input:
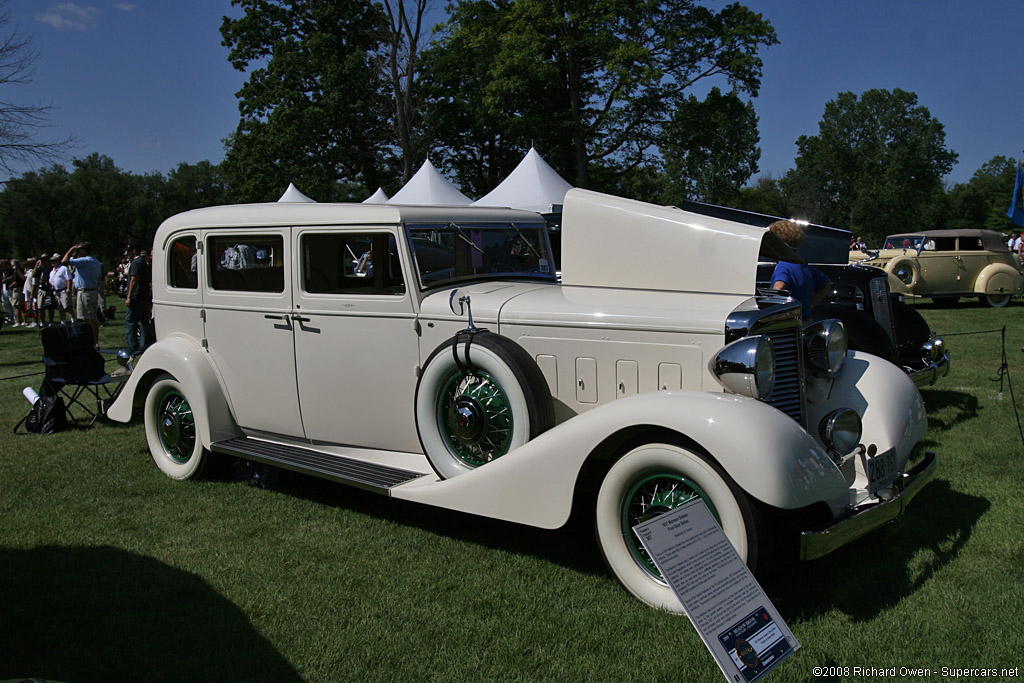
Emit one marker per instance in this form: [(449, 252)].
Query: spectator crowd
[(69, 288)]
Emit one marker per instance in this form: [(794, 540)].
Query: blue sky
[(147, 82)]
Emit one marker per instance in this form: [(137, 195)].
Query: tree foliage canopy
[(591, 83), (49, 210), (875, 167), (313, 110)]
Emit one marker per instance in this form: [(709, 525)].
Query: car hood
[(625, 244), (502, 303)]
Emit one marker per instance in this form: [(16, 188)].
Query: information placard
[(731, 612)]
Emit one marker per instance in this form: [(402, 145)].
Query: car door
[(247, 305), (940, 267), (972, 259), (356, 343)]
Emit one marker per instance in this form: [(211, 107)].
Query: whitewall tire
[(469, 413), (648, 481), (171, 430)]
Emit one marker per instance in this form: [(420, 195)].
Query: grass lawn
[(110, 571)]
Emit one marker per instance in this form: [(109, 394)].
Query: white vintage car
[(429, 354)]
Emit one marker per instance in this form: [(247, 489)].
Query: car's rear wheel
[(477, 399), (171, 430), (650, 480), (998, 300)]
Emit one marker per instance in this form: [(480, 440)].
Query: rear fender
[(186, 361), (999, 278)]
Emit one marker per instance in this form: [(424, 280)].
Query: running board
[(364, 475)]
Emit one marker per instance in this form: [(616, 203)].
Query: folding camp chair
[(75, 370)]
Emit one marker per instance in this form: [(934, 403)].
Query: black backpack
[(47, 416)]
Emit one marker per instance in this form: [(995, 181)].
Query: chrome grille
[(881, 305), (787, 394)]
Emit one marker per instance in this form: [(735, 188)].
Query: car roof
[(991, 240), (317, 213)]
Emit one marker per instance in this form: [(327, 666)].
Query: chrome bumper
[(815, 544), (925, 377)]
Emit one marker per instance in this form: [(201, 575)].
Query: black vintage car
[(877, 321)]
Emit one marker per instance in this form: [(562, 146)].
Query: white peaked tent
[(292, 194), (533, 185), (378, 197), (428, 186)]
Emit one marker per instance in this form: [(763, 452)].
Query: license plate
[(881, 470)]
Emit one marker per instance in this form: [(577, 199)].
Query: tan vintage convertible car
[(948, 264)]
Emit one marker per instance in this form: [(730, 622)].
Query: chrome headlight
[(934, 349), (840, 430), (826, 347), (746, 367)]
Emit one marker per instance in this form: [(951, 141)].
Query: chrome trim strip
[(814, 544)]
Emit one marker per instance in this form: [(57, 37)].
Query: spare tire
[(906, 271), (480, 395)]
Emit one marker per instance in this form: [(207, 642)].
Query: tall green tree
[(314, 108), (477, 141), (710, 148), (591, 83), (982, 201), (875, 166), (406, 36)]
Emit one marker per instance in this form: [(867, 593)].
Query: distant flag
[(1016, 212)]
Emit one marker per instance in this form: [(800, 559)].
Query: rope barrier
[(1002, 373)]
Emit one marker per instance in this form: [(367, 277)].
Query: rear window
[(181, 268), (247, 263)]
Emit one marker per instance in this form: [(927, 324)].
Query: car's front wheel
[(650, 480), (171, 430)]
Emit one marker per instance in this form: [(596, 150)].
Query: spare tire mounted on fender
[(480, 395)]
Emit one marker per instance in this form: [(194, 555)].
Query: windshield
[(903, 242), (454, 252)]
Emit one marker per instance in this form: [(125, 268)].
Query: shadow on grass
[(103, 614), (964, 407), (881, 569), (573, 546), (862, 579)]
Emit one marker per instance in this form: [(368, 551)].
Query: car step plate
[(369, 476)]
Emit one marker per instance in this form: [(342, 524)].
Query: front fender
[(768, 455), (891, 409), (189, 364), (999, 278)]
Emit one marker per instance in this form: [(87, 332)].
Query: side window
[(181, 267), (945, 244), (247, 263), (970, 244), (351, 263)]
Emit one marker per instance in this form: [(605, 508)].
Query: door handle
[(300, 319), (275, 317)]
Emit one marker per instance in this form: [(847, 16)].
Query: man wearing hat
[(88, 272)]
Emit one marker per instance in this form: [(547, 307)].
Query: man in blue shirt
[(88, 273), (806, 284)]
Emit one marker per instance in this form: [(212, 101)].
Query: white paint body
[(624, 342)]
